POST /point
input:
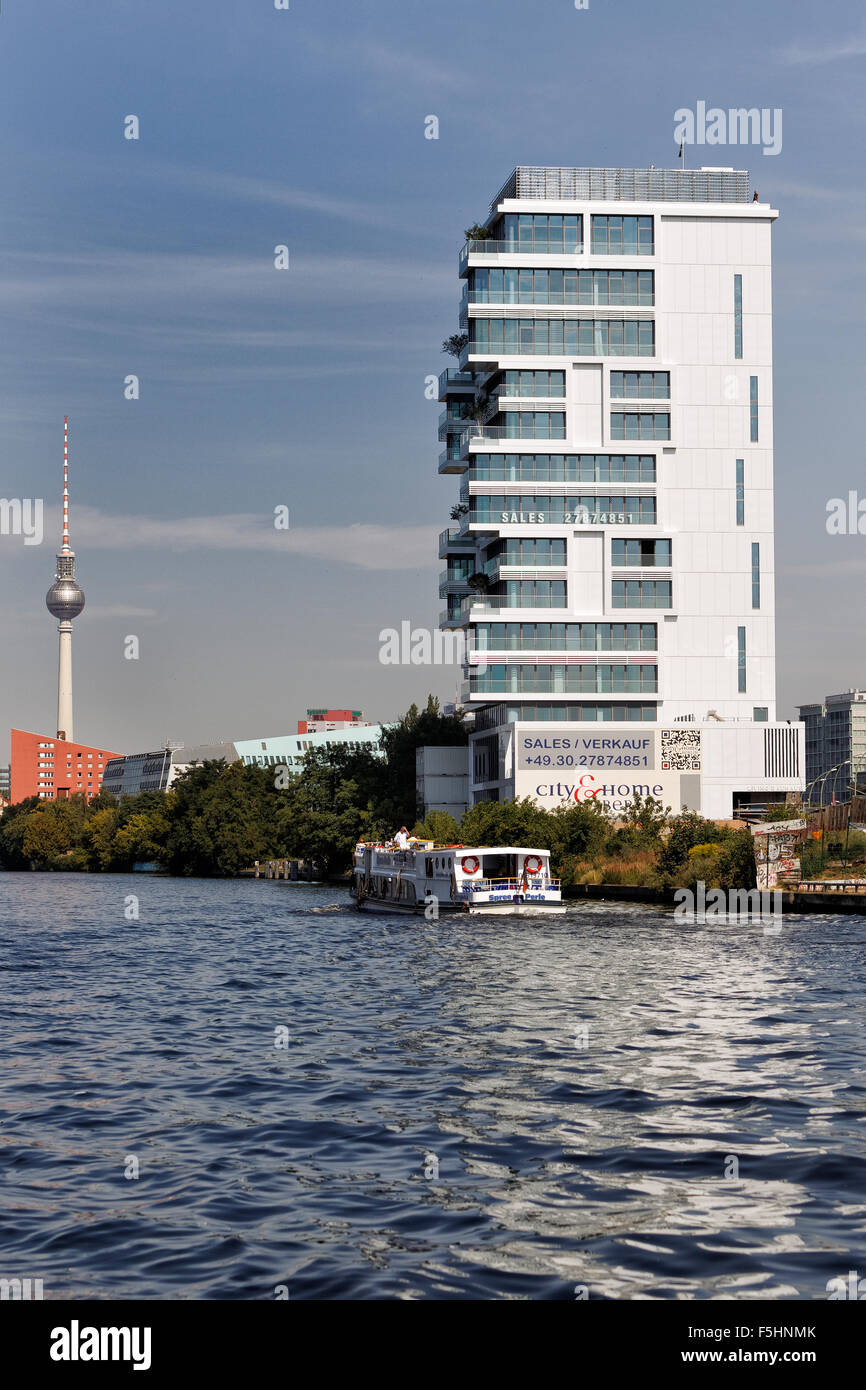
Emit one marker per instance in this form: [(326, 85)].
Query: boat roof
[(503, 849)]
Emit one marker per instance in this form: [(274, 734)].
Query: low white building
[(442, 779), (714, 768)]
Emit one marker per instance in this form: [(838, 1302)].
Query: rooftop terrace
[(627, 185)]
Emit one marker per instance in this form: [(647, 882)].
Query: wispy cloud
[(123, 278), (368, 547), (801, 54), (118, 610)]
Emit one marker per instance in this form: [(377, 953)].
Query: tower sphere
[(65, 599)]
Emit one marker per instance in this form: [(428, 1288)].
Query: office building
[(611, 562)]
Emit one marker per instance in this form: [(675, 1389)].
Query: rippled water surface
[(435, 1126)]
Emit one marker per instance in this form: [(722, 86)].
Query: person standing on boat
[(401, 839)]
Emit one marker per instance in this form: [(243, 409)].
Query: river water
[(606, 1104)]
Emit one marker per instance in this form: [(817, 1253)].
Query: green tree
[(684, 832), (439, 826), (321, 817), (397, 802), (47, 834), (736, 863), (98, 837)]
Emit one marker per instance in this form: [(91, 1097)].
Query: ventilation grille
[(781, 753)]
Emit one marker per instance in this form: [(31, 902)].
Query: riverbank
[(791, 900)]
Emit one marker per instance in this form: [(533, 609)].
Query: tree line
[(219, 819)]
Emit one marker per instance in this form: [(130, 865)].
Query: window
[(741, 660), (643, 553), (534, 384), (581, 337), (640, 425), (756, 575), (553, 636), (536, 232), (741, 493), (567, 713), (563, 468), (532, 285), (632, 386), (760, 714), (579, 679), (738, 315), (520, 550), (641, 593), (530, 593), (598, 509), (627, 236), (533, 424), (753, 409)]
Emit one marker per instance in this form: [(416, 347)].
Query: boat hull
[(449, 909)]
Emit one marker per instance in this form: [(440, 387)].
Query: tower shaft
[(64, 683)]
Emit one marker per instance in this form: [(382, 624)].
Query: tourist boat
[(427, 879)]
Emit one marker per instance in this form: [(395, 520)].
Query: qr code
[(681, 750)]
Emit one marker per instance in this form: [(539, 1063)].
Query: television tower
[(65, 600)]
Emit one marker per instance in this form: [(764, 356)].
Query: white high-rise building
[(612, 555)]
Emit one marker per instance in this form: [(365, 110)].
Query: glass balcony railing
[(539, 247), (492, 603), (452, 379), (553, 687), (627, 300), (516, 429), (455, 536), (561, 646)]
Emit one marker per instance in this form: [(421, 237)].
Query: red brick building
[(52, 768), (324, 720)]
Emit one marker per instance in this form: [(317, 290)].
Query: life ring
[(532, 864), (470, 864)]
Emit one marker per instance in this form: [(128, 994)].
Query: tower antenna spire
[(66, 484)]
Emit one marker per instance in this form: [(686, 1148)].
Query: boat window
[(429, 867), (499, 865)]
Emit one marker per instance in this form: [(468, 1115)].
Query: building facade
[(321, 721), (156, 771), (835, 746), (53, 768), (288, 750), (441, 779), (610, 418)]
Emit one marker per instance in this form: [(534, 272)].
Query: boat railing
[(508, 885)]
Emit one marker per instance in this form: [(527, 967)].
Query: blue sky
[(305, 127)]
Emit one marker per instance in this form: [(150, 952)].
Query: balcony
[(459, 382), (553, 687), (449, 619), (473, 433), (580, 299), (451, 583), (452, 459), (487, 650), (455, 538), (551, 247), (450, 423), (494, 603)]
